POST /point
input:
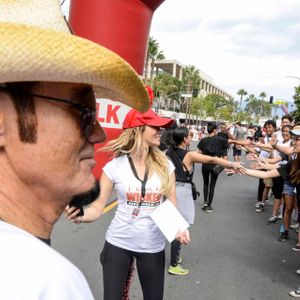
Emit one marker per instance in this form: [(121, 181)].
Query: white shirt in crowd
[(31, 270)]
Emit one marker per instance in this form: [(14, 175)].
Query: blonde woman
[(142, 176)]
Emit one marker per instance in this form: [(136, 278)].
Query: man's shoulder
[(15, 240), (34, 267)]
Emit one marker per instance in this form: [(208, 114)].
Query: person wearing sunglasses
[(48, 129), (143, 177), (289, 171)]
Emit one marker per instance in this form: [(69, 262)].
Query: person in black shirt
[(225, 135), (214, 146)]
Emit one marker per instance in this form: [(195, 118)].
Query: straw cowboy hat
[(36, 45)]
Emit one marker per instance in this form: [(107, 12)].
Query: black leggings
[(206, 172), (116, 265), (260, 190), (175, 253)]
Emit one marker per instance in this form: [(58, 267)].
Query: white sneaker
[(257, 204), (273, 219), (279, 217), (294, 226), (295, 294)]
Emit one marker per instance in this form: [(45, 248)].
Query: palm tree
[(241, 93), (253, 106), (164, 85), (158, 55), (153, 53), (152, 46), (191, 79), (263, 95), (251, 98)]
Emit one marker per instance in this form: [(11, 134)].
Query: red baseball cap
[(150, 118)]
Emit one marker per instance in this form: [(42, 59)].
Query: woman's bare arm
[(95, 210)]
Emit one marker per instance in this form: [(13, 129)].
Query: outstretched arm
[(259, 174), (265, 147), (283, 149), (196, 157)]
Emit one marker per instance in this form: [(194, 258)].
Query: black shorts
[(278, 184), (236, 152)]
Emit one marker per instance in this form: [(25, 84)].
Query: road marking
[(110, 207)]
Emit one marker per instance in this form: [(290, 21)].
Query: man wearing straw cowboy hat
[(48, 129)]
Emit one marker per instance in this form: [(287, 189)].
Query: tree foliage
[(296, 97), (263, 95), (241, 93), (214, 106), (153, 54)]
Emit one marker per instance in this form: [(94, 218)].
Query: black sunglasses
[(87, 116)]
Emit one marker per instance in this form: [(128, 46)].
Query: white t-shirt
[(279, 137), (263, 153), (135, 233), (31, 270)]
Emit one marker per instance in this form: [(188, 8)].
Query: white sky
[(241, 44)]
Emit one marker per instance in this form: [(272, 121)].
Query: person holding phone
[(143, 177)]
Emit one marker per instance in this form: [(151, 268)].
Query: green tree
[(257, 107), (241, 93), (166, 88), (296, 97), (191, 80), (263, 95), (251, 97), (253, 106), (153, 54), (215, 105)]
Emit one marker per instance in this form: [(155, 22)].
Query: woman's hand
[(183, 237), (251, 156), (242, 170), (236, 166), (71, 213)]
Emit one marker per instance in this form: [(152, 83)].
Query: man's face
[(285, 122), (59, 165), (270, 129)]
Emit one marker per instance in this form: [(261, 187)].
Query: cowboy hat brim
[(30, 53)]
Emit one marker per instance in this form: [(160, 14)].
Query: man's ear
[(2, 129)]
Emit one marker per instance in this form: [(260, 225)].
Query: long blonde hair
[(131, 141)]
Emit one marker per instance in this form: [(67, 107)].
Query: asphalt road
[(233, 255)]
